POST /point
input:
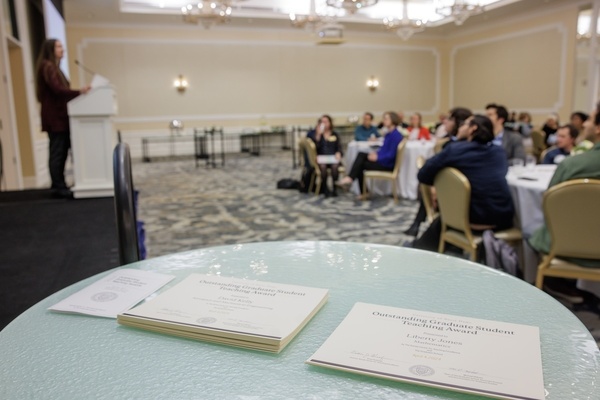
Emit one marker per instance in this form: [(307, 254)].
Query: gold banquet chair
[(388, 175), (311, 153), (544, 152), (454, 197), (570, 212), (539, 144), (426, 196)]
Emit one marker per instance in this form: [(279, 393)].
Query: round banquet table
[(51, 356), (408, 184)]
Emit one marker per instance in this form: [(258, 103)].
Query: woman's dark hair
[(46, 54), (459, 115), (394, 117), (581, 115), (485, 130), (329, 119)]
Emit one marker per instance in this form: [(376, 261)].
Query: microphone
[(86, 69)]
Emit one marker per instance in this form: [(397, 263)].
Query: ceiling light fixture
[(459, 10), (405, 27), (313, 20), (351, 6), (207, 12)]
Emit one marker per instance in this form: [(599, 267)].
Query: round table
[(408, 184), (50, 355)]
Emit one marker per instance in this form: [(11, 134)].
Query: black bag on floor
[(288, 184)]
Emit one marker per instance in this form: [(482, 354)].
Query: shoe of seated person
[(563, 289)]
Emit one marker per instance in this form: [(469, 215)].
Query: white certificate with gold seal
[(489, 358)]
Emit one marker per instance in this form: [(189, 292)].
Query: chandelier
[(312, 20), (460, 10), (351, 5), (207, 12), (404, 27)]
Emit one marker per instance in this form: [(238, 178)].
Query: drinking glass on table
[(530, 161), (516, 162)]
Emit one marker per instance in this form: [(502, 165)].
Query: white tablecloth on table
[(527, 197), (527, 186), (407, 177)]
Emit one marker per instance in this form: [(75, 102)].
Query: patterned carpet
[(187, 208)]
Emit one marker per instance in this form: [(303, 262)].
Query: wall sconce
[(372, 83), (180, 84)]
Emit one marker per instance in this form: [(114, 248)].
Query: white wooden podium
[(92, 142)]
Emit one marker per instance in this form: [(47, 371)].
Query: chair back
[(125, 205), (572, 218), (399, 157), (454, 196), (543, 153), (311, 152), (439, 145), (302, 156), (539, 143)]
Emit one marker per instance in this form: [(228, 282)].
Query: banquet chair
[(125, 206), (454, 197), (426, 195), (544, 152), (387, 175), (574, 227), (539, 144), (311, 152), (439, 145)]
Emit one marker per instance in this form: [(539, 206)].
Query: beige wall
[(526, 64), (243, 78)]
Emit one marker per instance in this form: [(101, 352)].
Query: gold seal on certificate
[(256, 315), (489, 358)]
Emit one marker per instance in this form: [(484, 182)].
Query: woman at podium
[(53, 92)]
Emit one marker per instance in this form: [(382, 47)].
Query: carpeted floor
[(187, 208)]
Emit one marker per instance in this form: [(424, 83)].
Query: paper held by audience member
[(99, 81), (327, 159), (113, 294)]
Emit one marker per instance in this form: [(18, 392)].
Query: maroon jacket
[(54, 94)]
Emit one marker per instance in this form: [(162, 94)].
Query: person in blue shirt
[(381, 160), (366, 131), (485, 166), (565, 141)]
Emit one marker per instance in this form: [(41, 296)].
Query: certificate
[(113, 294), (490, 358), (240, 312)]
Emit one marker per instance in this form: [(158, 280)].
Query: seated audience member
[(523, 124), (485, 167), (578, 119), (550, 128), (417, 131), (510, 141), (457, 117), (401, 124), (381, 160), (585, 165), (565, 141), (328, 143), (366, 130), (440, 127)]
